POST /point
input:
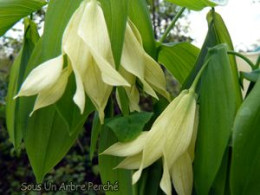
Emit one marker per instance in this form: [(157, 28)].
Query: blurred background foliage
[(76, 167)]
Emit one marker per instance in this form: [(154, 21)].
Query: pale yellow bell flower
[(87, 46), (172, 138), (137, 64)]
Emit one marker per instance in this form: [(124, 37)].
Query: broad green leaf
[(115, 13), (47, 140), (95, 131), (108, 163), (198, 4), (11, 11), (245, 167), (179, 59), (217, 112), (140, 16), (47, 136), (31, 37), (217, 34), (123, 100), (127, 128)]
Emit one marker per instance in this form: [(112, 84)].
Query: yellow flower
[(137, 64), (171, 137), (86, 44)]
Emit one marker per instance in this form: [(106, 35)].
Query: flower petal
[(97, 40), (97, 90), (42, 77), (131, 162), (78, 55), (181, 129), (165, 182), (133, 59), (191, 148), (152, 151), (128, 148), (182, 176), (155, 76), (53, 94)]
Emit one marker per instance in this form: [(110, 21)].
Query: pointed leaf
[(127, 128), (21, 8), (217, 112), (16, 77), (245, 167), (179, 59), (108, 163)]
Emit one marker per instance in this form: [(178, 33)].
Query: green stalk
[(197, 78), (169, 28), (249, 62)]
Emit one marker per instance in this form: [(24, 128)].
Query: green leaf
[(179, 59), (245, 167), (140, 16), (21, 8), (47, 136), (217, 112), (115, 13), (217, 34), (31, 37), (127, 128), (95, 131), (198, 4), (108, 163)]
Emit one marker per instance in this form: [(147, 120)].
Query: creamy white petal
[(136, 32), (153, 148), (131, 162), (78, 55), (53, 94), (132, 92), (132, 59), (42, 77), (128, 148), (97, 90), (191, 148), (155, 76), (182, 175), (93, 29), (165, 182), (179, 131)]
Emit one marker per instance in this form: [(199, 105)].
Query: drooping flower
[(87, 46), (171, 137), (137, 64)]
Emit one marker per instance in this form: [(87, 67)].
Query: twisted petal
[(181, 129), (93, 30), (165, 182), (128, 148), (42, 77), (53, 94), (152, 150), (155, 76), (182, 176), (131, 162), (97, 90), (73, 46), (132, 92), (191, 148), (133, 59)]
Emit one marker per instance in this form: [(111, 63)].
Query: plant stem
[(250, 63), (197, 78), (169, 28)]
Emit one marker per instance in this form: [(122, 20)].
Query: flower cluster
[(87, 47), (171, 137)]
